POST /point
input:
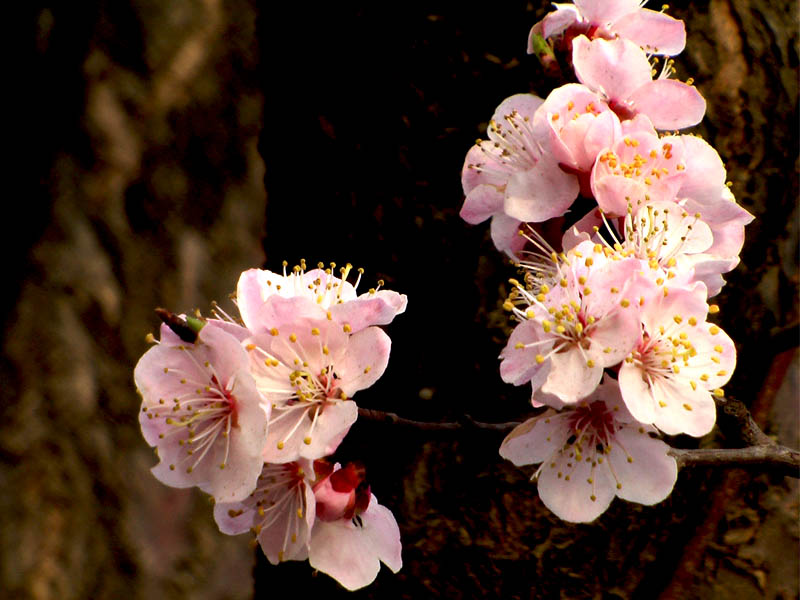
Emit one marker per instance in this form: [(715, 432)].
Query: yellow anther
[(615, 290), (507, 305), (713, 330), (346, 328), (250, 347), (519, 346), (367, 370), (713, 309), (692, 321), (590, 363), (589, 262), (625, 303), (704, 377), (325, 350), (546, 325), (719, 393), (578, 328), (541, 297), (718, 348), (545, 289), (539, 358), (678, 319), (563, 282), (587, 291), (307, 441), (314, 331), (687, 407), (560, 329), (722, 373), (581, 279), (693, 384), (273, 331), (292, 337), (280, 445)]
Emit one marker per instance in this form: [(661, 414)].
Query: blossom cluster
[(613, 333), (248, 409)]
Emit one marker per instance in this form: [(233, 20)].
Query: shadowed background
[(179, 144)]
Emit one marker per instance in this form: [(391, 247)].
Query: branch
[(772, 456), (467, 422), (763, 453)]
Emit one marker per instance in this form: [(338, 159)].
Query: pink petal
[(656, 32), (565, 489), (378, 308), (571, 379), (670, 104), (287, 437), (251, 293), (540, 193), (615, 68), (505, 234), (556, 22), (705, 172), (243, 464), (536, 440), (525, 104), (365, 360), (614, 336), (519, 365), (276, 540), (651, 474), (603, 12), (473, 175), (604, 132), (613, 193), (278, 311), (352, 554), (481, 203)]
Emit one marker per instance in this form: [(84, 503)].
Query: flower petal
[(352, 553), (645, 472), (365, 360), (670, 104)]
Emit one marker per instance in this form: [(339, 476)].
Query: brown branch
[(771, 456), (466, 423), (764, 454)]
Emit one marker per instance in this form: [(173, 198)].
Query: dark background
[(177, 144)]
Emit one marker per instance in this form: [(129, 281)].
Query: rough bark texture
[(147, 116)]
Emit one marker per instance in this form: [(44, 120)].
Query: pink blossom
[(575, 321), (654, 31), (619, 70), (325, 293), (669, 242), (308, 369), (351, 549), (680, 361), (591, 453), (577, 124), (640, 168), (510, 179), (280, 511), (202, 411)]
